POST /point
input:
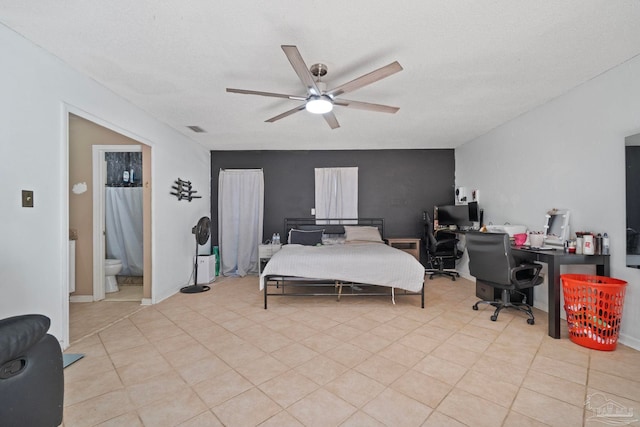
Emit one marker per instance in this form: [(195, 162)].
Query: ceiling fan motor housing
[(319, 70)]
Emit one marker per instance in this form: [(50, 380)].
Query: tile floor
[(86, 319), (126, 292), (219, 358)]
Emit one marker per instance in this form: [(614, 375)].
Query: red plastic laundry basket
[(594, 309)]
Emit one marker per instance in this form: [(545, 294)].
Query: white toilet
[(111, 268)]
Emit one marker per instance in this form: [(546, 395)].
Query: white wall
[(37, 92), (568, 153)]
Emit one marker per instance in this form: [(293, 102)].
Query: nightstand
[(410, 245), (265, 252)]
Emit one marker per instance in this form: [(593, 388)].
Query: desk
[(554, 259)]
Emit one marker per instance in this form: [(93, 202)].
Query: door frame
[(99, 180)]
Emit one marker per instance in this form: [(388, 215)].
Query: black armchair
[(491, 262), (31, 377), (441, 247)]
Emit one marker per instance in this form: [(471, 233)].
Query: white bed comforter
[(365, 263)]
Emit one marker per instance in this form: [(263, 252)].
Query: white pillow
[(362, 233)]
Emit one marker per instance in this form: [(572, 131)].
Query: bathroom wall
[(117, 163)]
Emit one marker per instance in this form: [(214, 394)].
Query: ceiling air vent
[(197, 129)]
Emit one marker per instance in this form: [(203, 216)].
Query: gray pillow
[(362, 233), (303, 237)]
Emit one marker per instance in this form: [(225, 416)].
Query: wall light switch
[(27, 198), (313, 211)]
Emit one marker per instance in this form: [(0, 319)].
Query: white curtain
[(336, 193), (123, 228), (240, 217)]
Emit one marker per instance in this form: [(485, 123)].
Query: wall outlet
[(313, 211), (27, 198)]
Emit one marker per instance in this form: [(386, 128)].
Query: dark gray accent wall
[(396, 185)]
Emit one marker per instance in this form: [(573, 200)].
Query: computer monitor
[(457, 215), (474, 211)]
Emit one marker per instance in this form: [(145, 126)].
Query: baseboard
[(466, 276), (629, 341), (81, 298)]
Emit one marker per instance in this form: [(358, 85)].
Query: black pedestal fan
[(202, 231)]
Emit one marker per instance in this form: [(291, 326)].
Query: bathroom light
[(319, 104)]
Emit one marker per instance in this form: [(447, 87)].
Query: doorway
[(86, 215), (118, 223)]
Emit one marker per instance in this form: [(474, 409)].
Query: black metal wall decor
[(183, 190)]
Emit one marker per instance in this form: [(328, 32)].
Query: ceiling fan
[(318, 100)]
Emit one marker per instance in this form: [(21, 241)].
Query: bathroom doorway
[(88, 311), (118, 222), (89, 144)]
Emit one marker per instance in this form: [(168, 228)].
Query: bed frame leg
[(266, 283), (421, 297), (339, 286)]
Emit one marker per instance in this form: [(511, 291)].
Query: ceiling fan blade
[(366, 106), (366, 79), (301, 69), (331, 120), (285, 114), (271, 94)]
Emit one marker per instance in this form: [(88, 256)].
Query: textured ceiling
[(469, 66)]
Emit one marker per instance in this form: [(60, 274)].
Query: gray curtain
[(240, 218)]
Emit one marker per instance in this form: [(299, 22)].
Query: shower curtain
[(240, 216), (123, 222)]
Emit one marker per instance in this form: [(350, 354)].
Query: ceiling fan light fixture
[(319, 104)]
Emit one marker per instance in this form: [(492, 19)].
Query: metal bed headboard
[(330, 225)]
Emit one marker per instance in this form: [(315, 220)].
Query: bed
[(349, 260)]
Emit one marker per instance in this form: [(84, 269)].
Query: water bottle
[(273, 239), (277, 238), (605, 244)]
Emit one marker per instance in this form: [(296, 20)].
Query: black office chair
[(31, 377), (441, 247), (491, 262)]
